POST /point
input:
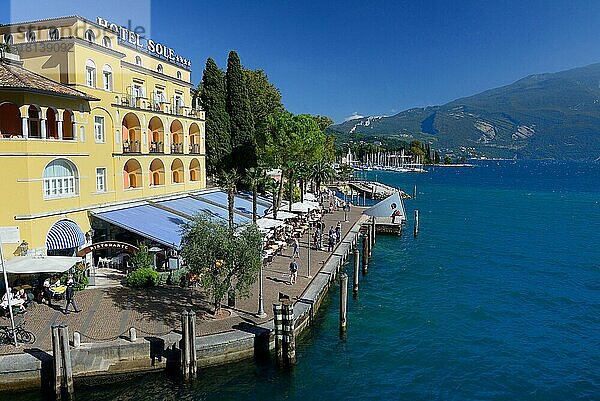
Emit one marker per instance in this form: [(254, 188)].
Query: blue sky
[(365, 57)]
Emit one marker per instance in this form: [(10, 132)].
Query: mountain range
[(551, 115)]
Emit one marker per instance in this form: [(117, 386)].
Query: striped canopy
[(64, 234)]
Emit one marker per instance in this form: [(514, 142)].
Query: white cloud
[(354, 116)]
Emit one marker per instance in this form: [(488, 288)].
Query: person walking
[(293, 271), (46, 293), (330, 243), (296, 249), (338, 233), (70, 294)]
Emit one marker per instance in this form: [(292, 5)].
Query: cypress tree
[(218, 136), (243, 143)]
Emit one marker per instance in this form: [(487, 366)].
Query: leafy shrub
[(142, 259), (81, 279), (142, 278)]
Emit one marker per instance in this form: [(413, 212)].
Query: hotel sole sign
[(134, 39), (114, 245)]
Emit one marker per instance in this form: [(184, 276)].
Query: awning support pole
[(8, 297)]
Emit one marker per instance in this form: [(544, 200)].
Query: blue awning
[(240, 204), (191, 206), (148, 221), (64, 234)]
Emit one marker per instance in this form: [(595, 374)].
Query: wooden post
[(66, 362), (356, 267), (58, 377), (192, 346), (370, 236), (289, 339), (278, 325), (365, 198), (343, 302), (365, 259), (185, 354), (415, 192), (76, 339), (374, 230), (416, 222)]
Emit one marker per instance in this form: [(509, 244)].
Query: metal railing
[(177, 148)]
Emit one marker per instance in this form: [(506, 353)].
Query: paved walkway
[(108, 313)]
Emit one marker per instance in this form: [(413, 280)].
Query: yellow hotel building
[(89, 119)]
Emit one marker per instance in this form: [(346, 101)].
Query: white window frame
[(99, 129), (53, 31), (138, 61), (90, 73), (160, 69), (90, 36), (107, 78), (8, 39), (66, 186), (178, 74), (30, 36), (101, 179), (107, 42)]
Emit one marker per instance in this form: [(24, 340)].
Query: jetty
[(374, 190), (389, 215)]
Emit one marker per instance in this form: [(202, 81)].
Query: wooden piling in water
[(415, 192), (66, 363), (289, 339), (365, 253), (192, 344), (365, 198), (356, 267), (185, 341), (343, 302), (56, 353), (374, 228), (278, 326), (416, 222)]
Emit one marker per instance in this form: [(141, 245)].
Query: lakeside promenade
[(108, 313)]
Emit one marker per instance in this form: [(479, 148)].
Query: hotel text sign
[(151, 46)]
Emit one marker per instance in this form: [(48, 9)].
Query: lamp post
[(261, 307), (308, 253), (8, 295)]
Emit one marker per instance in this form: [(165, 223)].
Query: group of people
[(53, 284), (18, 299), (334, 236)]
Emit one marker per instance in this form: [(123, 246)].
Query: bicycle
[(23, 335)]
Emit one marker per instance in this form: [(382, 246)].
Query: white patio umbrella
[(304, 207), (266, 223), (282, 215), (310, 197)]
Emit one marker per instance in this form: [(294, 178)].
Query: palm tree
[(273, 186), (228, 180), (322, 172), (254, 177)]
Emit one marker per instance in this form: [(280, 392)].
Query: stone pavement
[(107, 313)]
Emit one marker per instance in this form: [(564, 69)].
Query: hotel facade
[(91, 116)]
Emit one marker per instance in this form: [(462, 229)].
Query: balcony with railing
[(157, 147), (177, 148), (195, 148), (131, 146)]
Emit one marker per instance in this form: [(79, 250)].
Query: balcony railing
[(157, 147), (195, 148), (131, 146), (177, 148)]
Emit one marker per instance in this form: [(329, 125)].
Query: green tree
[(224, 263), (243, 143), (254, 177), (265, 100), (447, 160), (228, 180), (213, 100), (142, 258), (322, 172)]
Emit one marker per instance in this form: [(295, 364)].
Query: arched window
[(138, 60), (132, 174), (10, 123), (30, 36), (157, 172), (67, 125), (35, 130), (178, 74), (194, 170), (177, 170), (90, 73), (90, 36), (60, 179), (53, 34), (106, 42), (159, 68), (51, 124), (107, 80), (8, 39)]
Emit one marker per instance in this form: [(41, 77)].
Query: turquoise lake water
[(497, 299)]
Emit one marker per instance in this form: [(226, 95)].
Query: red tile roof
[(14, 76)]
